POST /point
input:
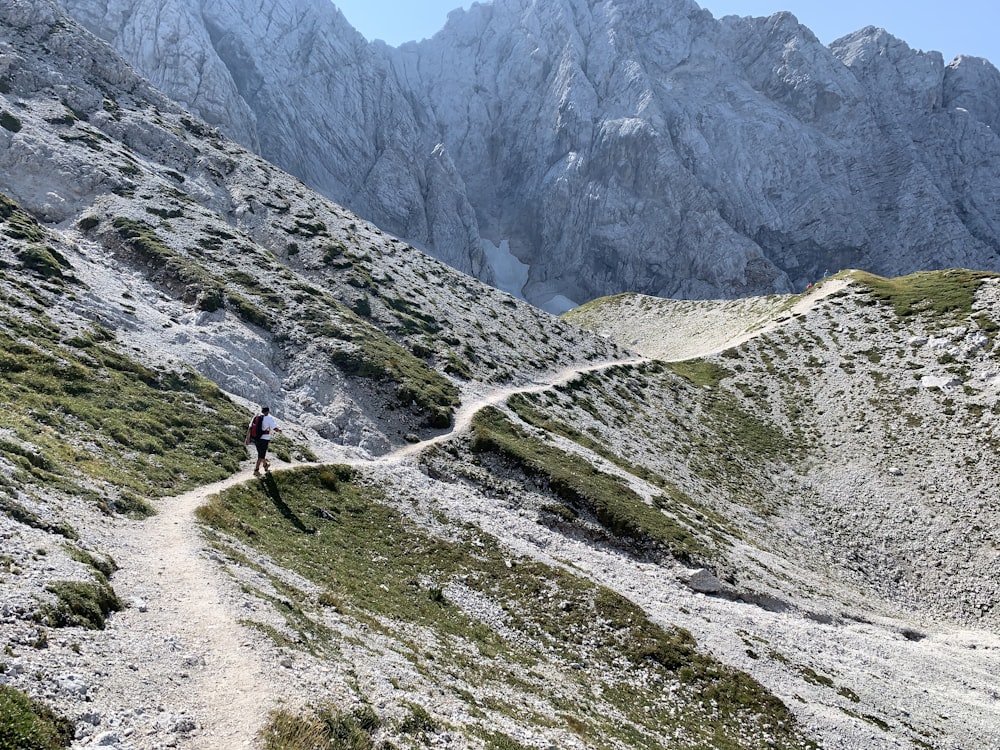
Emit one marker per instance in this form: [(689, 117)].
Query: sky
[(967, 27)]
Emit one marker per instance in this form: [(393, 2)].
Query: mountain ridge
[(620, 148)]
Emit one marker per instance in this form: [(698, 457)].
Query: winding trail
[(180, 636)]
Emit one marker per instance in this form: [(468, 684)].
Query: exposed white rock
[(941, 382), (627, 146)]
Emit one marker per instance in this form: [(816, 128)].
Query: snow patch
[(510, 274), (558, 304)]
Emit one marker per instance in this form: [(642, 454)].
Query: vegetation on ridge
[(934, 292)]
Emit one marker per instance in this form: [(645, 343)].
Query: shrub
[(44, 261), (322, 730), (27, 725), (81, 604)]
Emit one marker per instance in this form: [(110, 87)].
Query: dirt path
[(179, 637), (185, 650), (464, 415), (804, 305)]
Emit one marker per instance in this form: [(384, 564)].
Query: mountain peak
[(710, 191)]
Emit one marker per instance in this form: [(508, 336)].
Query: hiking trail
[(180, 635)]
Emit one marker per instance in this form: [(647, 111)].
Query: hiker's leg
[(261, 453)]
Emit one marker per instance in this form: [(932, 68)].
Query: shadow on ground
[(271, 491)]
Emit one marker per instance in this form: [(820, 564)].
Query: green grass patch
[(104, 566), (377, 357), (26, 724), (324, 729), (932, 292), (14, 510), (699, 372), (18, 224), (80, 604), (81, 408), (332, 527), (528, 408), (501, 741), (594, 309), (411, 318), (45, 261), (732, 437), (578, 483), (195, 284)]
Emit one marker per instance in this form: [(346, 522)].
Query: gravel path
[(179, 644), (179, 637)]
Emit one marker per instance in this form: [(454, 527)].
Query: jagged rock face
[(623, 145), (295, 82)]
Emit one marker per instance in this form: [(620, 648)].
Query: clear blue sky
[(970, 27)]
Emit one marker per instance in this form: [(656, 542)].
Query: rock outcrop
[(625, 146)]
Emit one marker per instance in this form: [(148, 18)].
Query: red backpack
[(256, 426)]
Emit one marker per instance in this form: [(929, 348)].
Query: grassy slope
[(84, 417), (372, 565)]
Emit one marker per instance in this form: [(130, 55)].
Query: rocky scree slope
[(226, 264), (887, 392), (833, 472), (568, 150)]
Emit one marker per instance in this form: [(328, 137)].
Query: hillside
[(487, 527)]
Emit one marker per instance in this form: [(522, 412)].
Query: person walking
[(262, 428)]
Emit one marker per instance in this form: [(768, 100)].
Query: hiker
[(261, 430)]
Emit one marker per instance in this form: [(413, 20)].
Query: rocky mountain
[(655, 523), (570, 149)]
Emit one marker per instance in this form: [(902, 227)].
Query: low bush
[(324, 729), (81, 604), (26, 724)]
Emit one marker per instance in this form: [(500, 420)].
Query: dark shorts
[(261, 444)]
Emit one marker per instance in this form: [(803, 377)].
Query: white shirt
[(267, 427)]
